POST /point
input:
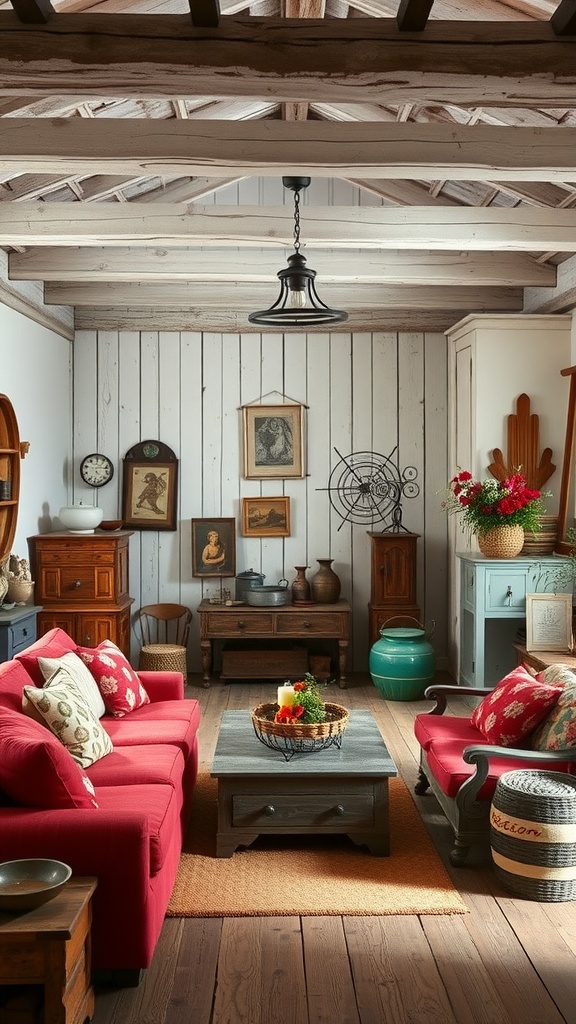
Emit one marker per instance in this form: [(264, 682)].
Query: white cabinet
[(492, 360), (493, 608)]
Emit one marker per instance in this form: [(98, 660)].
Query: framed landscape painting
[(273, 441), (266, 517)]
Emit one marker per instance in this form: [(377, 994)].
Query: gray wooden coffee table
[(328, 791)]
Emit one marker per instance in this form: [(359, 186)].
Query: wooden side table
[(540, 660), (50, 946)]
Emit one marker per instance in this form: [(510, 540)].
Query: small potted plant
[(498, 512), (20, 583)]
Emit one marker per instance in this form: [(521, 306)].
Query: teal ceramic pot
[(402, 663)]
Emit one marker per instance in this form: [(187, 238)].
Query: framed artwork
[(150, 487), (213, 547), (266, 517), (549, 622), (273, 441)]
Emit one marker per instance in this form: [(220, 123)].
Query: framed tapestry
[(273, 441), (149, 487)]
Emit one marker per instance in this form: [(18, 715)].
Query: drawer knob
[(241, 624), (509, 596), (269, 810), (87, 640), (306, 624), (24, 632), (339, 810), (76, 585)]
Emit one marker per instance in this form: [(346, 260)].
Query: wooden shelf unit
[(393, 580)]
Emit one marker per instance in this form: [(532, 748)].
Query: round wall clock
[(96, 470)]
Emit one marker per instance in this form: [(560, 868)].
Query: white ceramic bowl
[(80, 518)]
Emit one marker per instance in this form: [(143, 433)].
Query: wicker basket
[(533, 834), (163, 658), (302, 737), (335, 722)]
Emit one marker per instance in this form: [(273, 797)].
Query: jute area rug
[(309, 875)]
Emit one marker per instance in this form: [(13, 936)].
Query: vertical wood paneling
[(85, 413), (107, 417), (365, 393)]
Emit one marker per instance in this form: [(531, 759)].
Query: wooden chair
[(164, 630)]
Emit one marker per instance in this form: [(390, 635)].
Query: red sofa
[(132, 841), (462, 768)]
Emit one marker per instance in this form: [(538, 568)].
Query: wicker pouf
[(163, 658), (533, 834)]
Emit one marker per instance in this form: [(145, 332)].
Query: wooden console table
[(288, 622)]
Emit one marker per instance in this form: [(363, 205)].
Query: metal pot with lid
[(246, 581)]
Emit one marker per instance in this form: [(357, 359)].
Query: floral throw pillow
[(514, 708), (118, 683), (68, 716), (81, 675), (558, 730)]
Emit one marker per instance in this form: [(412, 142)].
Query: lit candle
[(286, 695)]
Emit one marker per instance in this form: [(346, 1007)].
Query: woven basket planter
[(533, 834), (501, 542)]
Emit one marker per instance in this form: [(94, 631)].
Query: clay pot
[(325, 584), (300, 585)]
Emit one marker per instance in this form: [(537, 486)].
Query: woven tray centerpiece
[(300, 721)]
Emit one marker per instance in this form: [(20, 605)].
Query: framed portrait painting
[(214, 547), (549, 622), (273, 441), (150, 487), (266, 517)]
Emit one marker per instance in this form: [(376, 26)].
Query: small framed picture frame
[(214, 547), (273, 441), (549, 622), (150, 487), (266, 517)]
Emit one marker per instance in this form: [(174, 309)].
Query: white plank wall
[(363, 392)]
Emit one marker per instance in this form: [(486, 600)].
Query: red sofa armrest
[(163, 685)]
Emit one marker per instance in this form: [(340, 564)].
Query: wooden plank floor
[(508, 961)]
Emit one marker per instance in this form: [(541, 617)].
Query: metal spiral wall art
[(365, 487)]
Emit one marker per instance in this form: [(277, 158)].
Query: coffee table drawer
[(313, 810)]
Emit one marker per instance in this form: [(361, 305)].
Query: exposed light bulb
[(296, 298)]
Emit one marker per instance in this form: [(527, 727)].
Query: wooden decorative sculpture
[(523, 449)]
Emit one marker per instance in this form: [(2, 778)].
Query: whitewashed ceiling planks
[(452, 125)]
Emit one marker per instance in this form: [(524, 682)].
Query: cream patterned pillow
[(81, 675), (69, 717)]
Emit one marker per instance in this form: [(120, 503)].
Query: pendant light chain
[(297, 221)]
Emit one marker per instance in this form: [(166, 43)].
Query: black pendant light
[(298, 304)]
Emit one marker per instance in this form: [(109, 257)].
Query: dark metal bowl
[(25, 884)]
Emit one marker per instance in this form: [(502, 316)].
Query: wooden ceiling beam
[(204, 13), (229, 320), (472, 64), (33, 12), (480, 152), (563, 20), (518, 229), (413, 15), (184, 264)]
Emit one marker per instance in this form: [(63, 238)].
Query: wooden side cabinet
[(17, 630), (82, 584), (393, 580)]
